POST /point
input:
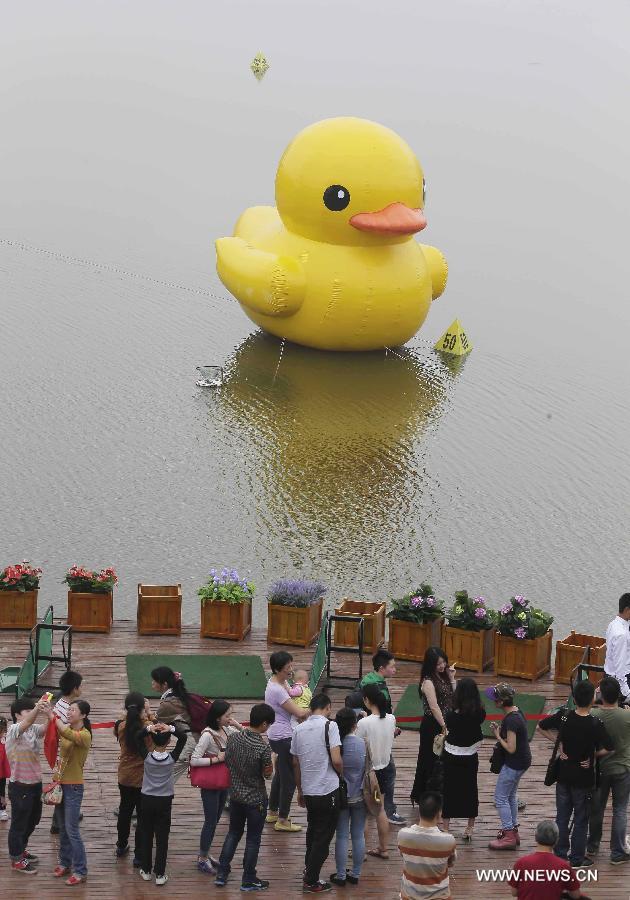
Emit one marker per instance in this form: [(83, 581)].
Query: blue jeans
[(619, 786), (71, 849), (241, 814), (576, 800), (213, 804), (355, 817), (505, 796), (386, 780)]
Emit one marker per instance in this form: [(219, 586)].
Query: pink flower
[(480, 613), (416, 601), (520, 633), (506, 610), (480, 601)]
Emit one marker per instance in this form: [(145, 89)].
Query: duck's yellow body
[(335, 266)]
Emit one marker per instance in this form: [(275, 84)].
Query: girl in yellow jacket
[(75, 740)]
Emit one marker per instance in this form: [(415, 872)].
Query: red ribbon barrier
[(534, 717)]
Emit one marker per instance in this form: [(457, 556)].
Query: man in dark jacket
[(583, 739)]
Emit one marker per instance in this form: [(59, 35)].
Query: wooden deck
[(101, 660)]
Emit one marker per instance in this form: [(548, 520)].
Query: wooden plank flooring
[(101, 660)]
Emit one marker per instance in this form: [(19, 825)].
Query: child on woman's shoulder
[(301, 693)]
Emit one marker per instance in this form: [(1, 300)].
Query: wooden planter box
[(569, 653), (297, 625), (408, 640), (159, 609), (225, 620), (522, 659), (18, 609), (469, 649), (91, 611), (373, 615)]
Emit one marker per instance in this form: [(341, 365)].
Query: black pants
[(26, 811), (321, 814), (130, 800), (283, 783), (155, 821)]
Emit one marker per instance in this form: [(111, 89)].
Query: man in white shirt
[(617, 663), (317, 769)]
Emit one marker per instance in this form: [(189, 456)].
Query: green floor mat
[(409, 705), (228, 677)]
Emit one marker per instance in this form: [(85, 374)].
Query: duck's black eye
[(336, 197)]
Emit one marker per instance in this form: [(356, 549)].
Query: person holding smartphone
[(512, 735)]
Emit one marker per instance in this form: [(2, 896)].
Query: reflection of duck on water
[(333, 433)]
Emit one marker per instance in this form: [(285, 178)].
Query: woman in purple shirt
[(280, 734)]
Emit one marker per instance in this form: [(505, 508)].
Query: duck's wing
[(437, 266), (266, 283), (257, 222)]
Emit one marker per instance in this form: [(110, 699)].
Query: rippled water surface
[(134, 135)]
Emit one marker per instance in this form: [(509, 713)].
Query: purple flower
[(480, 601), (416, 601), (295, 592), (520, 633), (480, 613), (430, 601), (521, 600), (506, 610)]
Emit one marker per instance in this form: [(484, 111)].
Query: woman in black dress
[(437, 683), (460, 757)]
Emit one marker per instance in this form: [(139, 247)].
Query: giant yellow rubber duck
[(335, 266)]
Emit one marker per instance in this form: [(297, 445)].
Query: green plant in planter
[(470, 613), (20, 577), (226, 587), (295, 592), (520, 620), (419, 606), (86, 581)]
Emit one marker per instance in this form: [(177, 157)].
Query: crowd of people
[(342, 770)]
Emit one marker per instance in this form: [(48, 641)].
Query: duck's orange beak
[(397, 218)]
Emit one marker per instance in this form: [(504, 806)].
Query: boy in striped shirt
[(70, 687), (23, 747), (427, 853)]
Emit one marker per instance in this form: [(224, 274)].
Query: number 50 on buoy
[(454, 340)]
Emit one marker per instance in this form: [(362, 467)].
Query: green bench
[(21, 680)]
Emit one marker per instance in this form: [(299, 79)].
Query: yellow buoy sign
[(454, 340)]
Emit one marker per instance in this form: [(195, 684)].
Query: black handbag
[(551, 775), (497, 759), (343, 787)]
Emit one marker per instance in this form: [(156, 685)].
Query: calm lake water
[(135, 134)]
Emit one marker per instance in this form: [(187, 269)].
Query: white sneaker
[(161, 879), (146, 876), (4, 815)]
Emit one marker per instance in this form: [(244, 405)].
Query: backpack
[(198, 708)]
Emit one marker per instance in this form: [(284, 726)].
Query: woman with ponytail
[(75, 740), (210, 751), (173, 710), (131, 769)]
